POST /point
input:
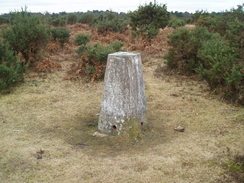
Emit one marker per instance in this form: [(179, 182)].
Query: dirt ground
[(47, 122)]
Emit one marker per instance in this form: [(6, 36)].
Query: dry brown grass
[(58, 117)]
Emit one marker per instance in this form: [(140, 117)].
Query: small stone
[(174, 95), (17, 130), (97, 134), (39, 154), (179, 129), (81, 145)]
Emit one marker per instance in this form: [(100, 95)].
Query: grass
[(56, 118)]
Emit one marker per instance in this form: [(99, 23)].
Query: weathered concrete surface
[(124, 94)]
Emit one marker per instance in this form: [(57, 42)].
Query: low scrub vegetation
[(214, 49), (4, 20), (11, 71), (110, 21), (72, 18), (87, 18), (148, 19), (61, 35), (26, 34), (184, 48), (82, 39), (176, 22), (215, 53), (94, 58), (22, 39), (229, 25), (58, 21)]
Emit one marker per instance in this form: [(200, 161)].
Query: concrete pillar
[(124, 94)]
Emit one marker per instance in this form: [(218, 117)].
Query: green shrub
[(184, 48), (197, 15), (110, 21), (87, 18), (217, 59), (229, 24), (4, 20), (72, 19), (81, 49), (27, 34), (99, 53), (11, 71), (107, 25), (82, 39), (95, 58), (116, 45), (58, 21), (219, 67), (209, 55), (206, 21), (147, 19), (105, 21), (147, 31), (60, 34), (176, 22)]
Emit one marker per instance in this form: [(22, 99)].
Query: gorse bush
[(219, 67), (229, 24), (149, 18), (95, 58), (81, 49), (114, 25), (216, 60), (11, 71), (27, 34), (58, 21), (184, 48), (150, 14), (176, 22), (82, 39), (87, 18), (99, 53), (110, 21), (147, 31), (72, 19), (61, 35), (116, 46), (4, 20), (197, 15), (209, 55), (206, 21)]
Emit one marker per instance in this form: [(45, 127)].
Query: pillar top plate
[(121, 53)]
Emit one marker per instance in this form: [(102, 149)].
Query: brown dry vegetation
[(46, 127)]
